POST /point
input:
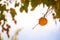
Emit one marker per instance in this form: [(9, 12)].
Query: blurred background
[(26, 21)]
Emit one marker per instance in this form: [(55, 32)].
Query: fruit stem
[(47, 11), (34, 26)]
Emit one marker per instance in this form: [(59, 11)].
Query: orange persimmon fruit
[(43, 21)]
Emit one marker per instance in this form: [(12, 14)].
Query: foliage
[(34, 3), (12, 12), (16, 4), (24, 6)]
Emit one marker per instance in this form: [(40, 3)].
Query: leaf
[(57, 9), (58, 13), (0, 0), (22, 1), (21, 8), (26, 4), (58, 4), (12, 12), (2, 8), (2, 17), (40, 1), (35, 3), (29, 0), (49, 2), (16, 4), (26, 9)]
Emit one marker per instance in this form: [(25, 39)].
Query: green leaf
[(24, 6), (35, 3), (12, 12), (26, 3), (26, 9), (58, 13), (16, 4), (21, 8), (22, 1), (49, 2), (2, 17), (0, 0), (2, 8)]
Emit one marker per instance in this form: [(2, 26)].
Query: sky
[(26, 21)]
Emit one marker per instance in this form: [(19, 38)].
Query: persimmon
[(42, 21)]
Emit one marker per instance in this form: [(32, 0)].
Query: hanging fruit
[(43, 21)]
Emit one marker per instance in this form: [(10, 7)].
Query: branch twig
[(47, 11)]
